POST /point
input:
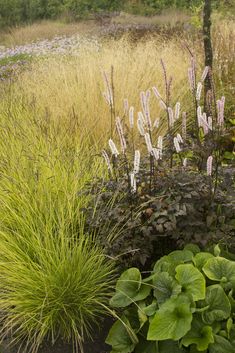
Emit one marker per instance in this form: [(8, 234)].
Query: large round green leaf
[(219, 306), (121, 337), (220, 269), (201, 258), (172, 320), (168, 263), (129, 289), (192, 281), (200, 335), (165, 287), (193, 248)]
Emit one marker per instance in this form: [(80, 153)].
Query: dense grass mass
[(54, 121)]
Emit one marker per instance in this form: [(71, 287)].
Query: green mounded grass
[(54, 280)]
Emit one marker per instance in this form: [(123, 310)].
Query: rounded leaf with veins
[(172, 320), (201, 258), (220, 269), (200, 335), (219, 304), (129, 289), (192, 281), (121, 337), (165, 287)]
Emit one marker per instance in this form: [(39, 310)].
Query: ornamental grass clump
[(51, 288), (167, 186), (186, 304), (55, 281)]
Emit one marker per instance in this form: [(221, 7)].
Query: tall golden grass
[(71, 89)]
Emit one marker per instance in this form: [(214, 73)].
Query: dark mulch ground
[(96, 346)]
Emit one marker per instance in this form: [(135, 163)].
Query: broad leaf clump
[(187, 304)]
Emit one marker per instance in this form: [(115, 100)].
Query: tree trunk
[(208, 52)]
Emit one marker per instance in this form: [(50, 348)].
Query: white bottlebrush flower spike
[(163, 104), (185, 162), (148, 142), (210, 122), (126, 106), (156, 92), (205, 73), (131, 117), (156, 153), (204, 123), (199, 91), (137, 162), (179, 138), (160, 146), (121, 134), (184, 125), (133, 182), (199, 115), (108, 98), (140, 124), (107, 160), (144, 97), (177, 110), (191, 79), (209, 165), (156, 123), (171, 116), (177, 145), (220, 111), (143, 100), (113, 148)]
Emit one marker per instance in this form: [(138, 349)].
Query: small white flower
[(185, 162), (209, 165), (143, 100), (113, 148), (199, 115), (126, 106), (210, 122), (148, 142), (144, 97), (163, 104), (191, 78), (199, 91), (171, 116), (133, 182), (160, 146), (177, 110), (205, 73), (140, 125), (107, 160), (156, 153), (184, 125), (177, 145), (205, 124), (220, 111), (131, 117), (121, 134), (136, 162), (156, 123), (179, 138), (156, 92)]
